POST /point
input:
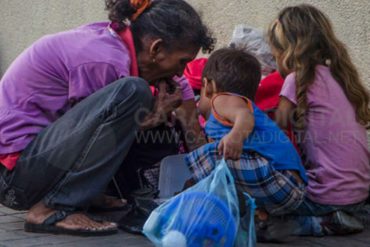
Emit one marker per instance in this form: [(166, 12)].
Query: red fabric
[(126, 36), (193, 72), (268, 93), (268, 96), (9, 160)]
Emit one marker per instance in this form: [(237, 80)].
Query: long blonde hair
[(303, 37)]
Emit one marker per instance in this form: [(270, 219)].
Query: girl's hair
[(233, 71), (303, 37), (174, 21)]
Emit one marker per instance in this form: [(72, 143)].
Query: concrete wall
[(24, 21)]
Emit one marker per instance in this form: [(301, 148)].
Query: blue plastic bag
[(206, 214)]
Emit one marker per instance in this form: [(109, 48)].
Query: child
[(261, 158), (330, 108)]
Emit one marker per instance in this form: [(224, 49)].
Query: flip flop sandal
[(49, 226)]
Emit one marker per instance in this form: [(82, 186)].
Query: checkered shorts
[(278, 192)]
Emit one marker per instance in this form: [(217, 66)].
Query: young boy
[(260, 156)]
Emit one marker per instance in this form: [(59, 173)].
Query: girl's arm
[(284, 113), (234, 109)]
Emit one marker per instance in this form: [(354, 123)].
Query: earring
[(153, 60)]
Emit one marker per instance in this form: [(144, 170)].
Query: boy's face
[(204, 104), (207, 92)]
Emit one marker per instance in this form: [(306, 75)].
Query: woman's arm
[(234, 109)]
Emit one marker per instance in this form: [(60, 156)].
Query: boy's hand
[(231, 146)]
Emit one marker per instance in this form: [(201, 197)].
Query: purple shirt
[(335, 143), (55, 73)]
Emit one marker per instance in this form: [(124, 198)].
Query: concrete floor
[(12, 235)]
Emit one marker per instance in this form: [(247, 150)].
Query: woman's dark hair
[(234, 71), (174, 21)]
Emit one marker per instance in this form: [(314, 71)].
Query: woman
[(70, 106)]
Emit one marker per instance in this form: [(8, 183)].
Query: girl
[(261, 158), (323, 94)]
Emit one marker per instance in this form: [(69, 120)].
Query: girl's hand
[(231, 146)]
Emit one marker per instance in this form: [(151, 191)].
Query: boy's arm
[(234, 109)]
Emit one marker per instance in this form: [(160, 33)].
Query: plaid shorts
[(277, 192)]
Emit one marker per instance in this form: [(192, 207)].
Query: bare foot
[(77, 221)]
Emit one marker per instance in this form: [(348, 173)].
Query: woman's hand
[(188, 116), (169, 97), (231, 146), (164, 104)]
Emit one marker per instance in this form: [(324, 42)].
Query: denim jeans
[(144, 153), (310, 208), (309, 215), (74, 158)]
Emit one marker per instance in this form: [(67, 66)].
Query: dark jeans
[(73, 160), (310, 208), (149, 148), (309, 215)]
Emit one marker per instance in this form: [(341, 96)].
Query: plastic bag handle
[(222, 170), (250, 201)]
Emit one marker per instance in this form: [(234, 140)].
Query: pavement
[(13, 235)]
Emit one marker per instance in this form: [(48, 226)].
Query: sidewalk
[(12, 235)]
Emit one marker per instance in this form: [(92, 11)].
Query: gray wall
[(24, 21)]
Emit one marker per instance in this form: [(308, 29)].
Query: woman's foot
[(38, 216)]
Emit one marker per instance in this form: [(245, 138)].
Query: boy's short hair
[(234, 71)]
